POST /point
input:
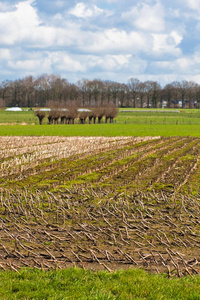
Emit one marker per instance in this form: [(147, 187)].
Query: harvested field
[(100, 203)]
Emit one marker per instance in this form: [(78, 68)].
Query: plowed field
[(100, 203)]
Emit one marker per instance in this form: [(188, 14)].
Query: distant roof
[(49, 109), (13, 109), (43, 109), (84, 109), (64, 109)]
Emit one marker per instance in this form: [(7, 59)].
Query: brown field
[(100, 203)]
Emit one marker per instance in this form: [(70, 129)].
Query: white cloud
[(109, 62), (23, 26), (64, 62), (84, 11), (5, 54), (180, 68), (109, 38), (189, 65), (18, 24), (28, 65), (146, 17), (177, 37), (193, 4), (115, 41), (167, 44)]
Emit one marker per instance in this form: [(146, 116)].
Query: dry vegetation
[(100, 203)]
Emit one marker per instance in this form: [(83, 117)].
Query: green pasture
[(125, 116), (18, 117), (165, 116), (102, 130), (129, 122), (79, 284)]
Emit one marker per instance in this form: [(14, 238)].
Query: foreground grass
[(79, 284), (101, 130)]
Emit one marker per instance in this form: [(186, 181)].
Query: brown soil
[(126, 206)]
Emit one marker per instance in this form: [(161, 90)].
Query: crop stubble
[(100, 203)]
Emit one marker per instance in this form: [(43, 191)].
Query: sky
[(113, 40)]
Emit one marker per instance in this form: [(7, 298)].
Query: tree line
[(61, 113), (37, 92)]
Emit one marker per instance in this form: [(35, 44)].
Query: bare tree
[(41, 115), (155, 91), (54, 113), (63, 112), (83, 115), (167, 94), (72, 112), (197, 96), (111, 112), (100, 112), (114, 89), (181, 87), (2, 103), (28, 87), (141, 93), (133, 85), (123, 94), (107, 91), (37, 92), (57, 87), (92, 115), (82, 86), (191, 93)]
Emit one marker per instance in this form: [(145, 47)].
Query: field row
[(19, 154), (100, 203), (128, 163), (91, 229)]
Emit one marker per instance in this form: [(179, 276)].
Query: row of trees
[(36, 92), (66, 113)]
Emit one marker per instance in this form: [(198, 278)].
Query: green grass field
[(134, 123), (102, 130), (79, 284), (27, 117), (125, 116)]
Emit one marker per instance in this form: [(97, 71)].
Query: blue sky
[(110, 40)]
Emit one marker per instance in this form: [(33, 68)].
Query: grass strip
[(101, 130), (79, 284)]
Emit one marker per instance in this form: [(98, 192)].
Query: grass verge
[(101, 130), (79, 284)]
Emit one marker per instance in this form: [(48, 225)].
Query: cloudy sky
[(110, 40)]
